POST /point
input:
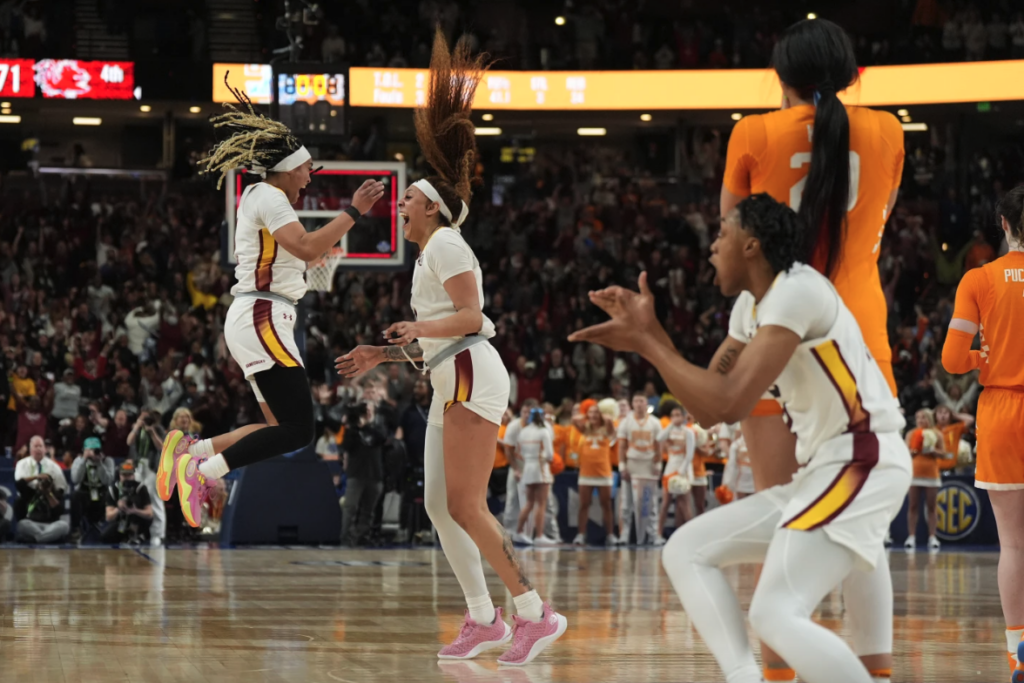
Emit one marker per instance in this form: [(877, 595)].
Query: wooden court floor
[(307, 615)]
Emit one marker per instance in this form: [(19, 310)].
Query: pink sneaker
[(193, 488), (175, 443), (475, 638), (531, 637)]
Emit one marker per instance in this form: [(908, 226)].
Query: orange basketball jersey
[(992, 297), (772, 153)]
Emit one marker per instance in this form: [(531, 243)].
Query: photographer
[(91, 473), (41, 485), (129, 508), (364, 468), (28, 471)]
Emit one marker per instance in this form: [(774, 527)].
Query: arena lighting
[(145, 109), (812, 15), (902, 112), (729, 89), (737, 116), (488, 131), (5, 105), (194, 110), (915, 127), (488, 117), (560, 21), (645, 117), (591, 131), (7, 118), (87, 121), (905, 119)]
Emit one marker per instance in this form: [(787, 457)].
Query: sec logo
[(959, 511)]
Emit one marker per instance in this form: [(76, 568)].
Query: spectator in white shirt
[(67, 397), (142, 323), (28, 471)]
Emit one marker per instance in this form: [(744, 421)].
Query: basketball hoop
[(320, 275)]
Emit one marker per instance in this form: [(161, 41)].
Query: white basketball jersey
[(445, 256), (263, 264), (831, 385)]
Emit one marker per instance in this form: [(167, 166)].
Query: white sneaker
[(156, 542), (545, 541), (622, 540), (933, 543), (579, 540), (610, 541), (658, 540), (522, 539), (910, 543)]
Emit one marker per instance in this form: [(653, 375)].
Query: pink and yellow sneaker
[(193, 487), (175, 444), (529, 638), (475, 638)]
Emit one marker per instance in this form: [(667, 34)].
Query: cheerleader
[(925, 444), (594, 444), (679, 442), (535, 451), (739, 476), (471, 385)]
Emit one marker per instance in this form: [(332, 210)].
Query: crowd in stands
[(595, 34), (113, 306)]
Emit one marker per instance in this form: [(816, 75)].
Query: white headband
[(289, 163), (432, 194)]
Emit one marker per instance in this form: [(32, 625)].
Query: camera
[(45, 481), (148, 419)]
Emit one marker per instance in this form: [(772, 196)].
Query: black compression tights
[(286, 391)]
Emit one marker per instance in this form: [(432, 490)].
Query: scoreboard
[(68, 79)]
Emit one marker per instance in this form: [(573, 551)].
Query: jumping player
[(832, 517), (272, 248), (471, 385), (990, 302), (839, 167)]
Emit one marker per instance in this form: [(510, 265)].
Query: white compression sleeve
[(801, 568), (462, 553), (732, 534), (868, 600)]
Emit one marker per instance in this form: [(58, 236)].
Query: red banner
[(16, 78), (73, 79)]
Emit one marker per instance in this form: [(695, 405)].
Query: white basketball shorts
[(476, 378), (261, 334)]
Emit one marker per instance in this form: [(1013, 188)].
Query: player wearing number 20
[(787, 154)]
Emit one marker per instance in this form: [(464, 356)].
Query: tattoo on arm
[(726, 362), (510, 555), (393, 354)]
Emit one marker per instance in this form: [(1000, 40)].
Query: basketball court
[(300, 614)]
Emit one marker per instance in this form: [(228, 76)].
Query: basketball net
[(320, 275)]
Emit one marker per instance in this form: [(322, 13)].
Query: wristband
[(353, 212)]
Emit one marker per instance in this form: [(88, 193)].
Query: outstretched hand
[(359, 360), (633, 324), (367, 195)]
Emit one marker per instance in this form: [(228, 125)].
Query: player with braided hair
[(272, 249), (802, 343), (471, 386)]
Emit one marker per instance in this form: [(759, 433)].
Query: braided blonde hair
[(255, 141)]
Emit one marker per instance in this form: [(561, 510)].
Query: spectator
[(129, 508), (142, 323), (31, 424), (364, 469), (22, 386), (66, 397), (41, 487), (71, 438), (6, 515), (91, 473), (559, 378), (114, 432), (413, 423), (333, 47), (529, 384)]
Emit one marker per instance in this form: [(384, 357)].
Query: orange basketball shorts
[(1000, 448)]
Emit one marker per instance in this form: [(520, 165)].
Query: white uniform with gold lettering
[(260, 333)]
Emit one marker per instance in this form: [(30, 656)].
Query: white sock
[(481, 610), (881, 679), (202, 448), (745, 674), (1013, 638), (214, 468), (529, 606)]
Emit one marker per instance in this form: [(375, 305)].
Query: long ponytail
[(815, 58)]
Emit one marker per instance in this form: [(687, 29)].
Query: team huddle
[(801, 393)]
